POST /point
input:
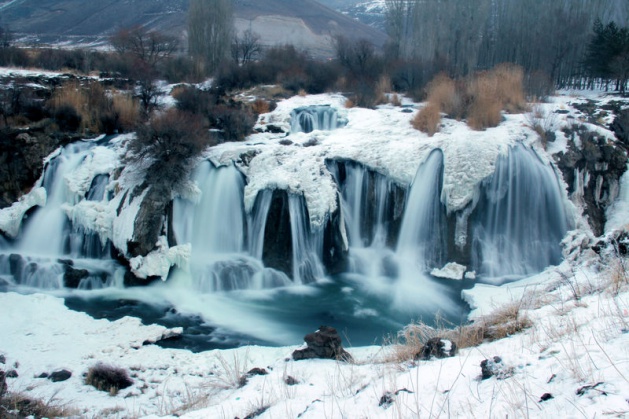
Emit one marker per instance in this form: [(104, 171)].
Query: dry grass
[(395, 100), (541, 121), (107, 378), (510, 87), (349, 104), (501, 323), (21, 405), (442, 92), (127, 109), (260, 106), (382, 87), (427, 119), (479, 98)]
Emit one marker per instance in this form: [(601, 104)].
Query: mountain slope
[(305, 23)]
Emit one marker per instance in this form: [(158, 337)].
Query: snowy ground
[(573, 343), (579, 313)]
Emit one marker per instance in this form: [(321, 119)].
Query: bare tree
[(210, 31), (246, 48), (150, 47)]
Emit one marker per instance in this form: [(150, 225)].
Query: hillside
[(305, 23)]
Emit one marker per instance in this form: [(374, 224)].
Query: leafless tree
[(246, 48), (150, 47), (210, 32)]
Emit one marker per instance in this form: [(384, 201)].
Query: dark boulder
[(494, 367), (325, 343), (620, 126), (438, 348), (73, 277), (59, 375), (12, 374), (3, 383)]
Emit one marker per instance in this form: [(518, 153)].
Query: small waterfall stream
[(310, 118), (520, 220)]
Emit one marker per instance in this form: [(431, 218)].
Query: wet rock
[(386, 400), (291, 381), (59, 375), (3, 383), (12, 374), (73, 277), (438, 348), (592, 172), (325, 343), (494, 367), (43, 375), (545, 397), (3, 359)]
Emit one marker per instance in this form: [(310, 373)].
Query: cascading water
[(50, 221), (520, 220), (307, 244), (215, 229), (423, 235), (310, 118), (50, 253)]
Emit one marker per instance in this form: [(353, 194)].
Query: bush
[(442, 92), (67, 118), (235, 124), (427, 120), (108, 378), (170, 142)]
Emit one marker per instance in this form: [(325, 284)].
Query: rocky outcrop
[(22, 154), (325, 343), (437, 348), (149, 223), (592, 172)]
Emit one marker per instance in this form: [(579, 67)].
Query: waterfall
[(215, 229), (307, 244), (423, 236), (319, 117), (366, 203), (520, 220), (45, 232)]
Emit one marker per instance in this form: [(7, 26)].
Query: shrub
[(260, 106), (127, 111), (442, 92), (67, 118), (510, 87), (235, 124), (170, 142), (108, 378), (427, 119)]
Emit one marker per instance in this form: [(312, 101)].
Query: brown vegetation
[(107, 378), (427, 119), (480, 98)]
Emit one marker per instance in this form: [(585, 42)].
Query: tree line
[(553, 38)]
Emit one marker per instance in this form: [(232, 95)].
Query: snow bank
[(159, 262), (451, 270), (11, 217)]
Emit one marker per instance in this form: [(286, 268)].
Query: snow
[(159, 262), (101, 160), (11, 217), (570, 345), (381, 139), (451, 270)]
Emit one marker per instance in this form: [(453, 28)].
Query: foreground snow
[(573, 343)]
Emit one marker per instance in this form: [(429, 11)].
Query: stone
[(12, 374), (325, 343), (3, 359), (545, 397), (438, 348), (291, 381), (59, 375), (73, 277), (494, 367), (3, 383)]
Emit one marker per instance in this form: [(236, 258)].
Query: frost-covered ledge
[(11, 217)]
